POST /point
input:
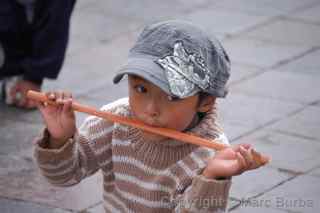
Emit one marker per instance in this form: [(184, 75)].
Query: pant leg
[(12, 24), (2, 56), (50, 35)]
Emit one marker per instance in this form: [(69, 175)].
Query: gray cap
[(179, 58)]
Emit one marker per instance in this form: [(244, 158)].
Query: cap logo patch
[(186, 72)]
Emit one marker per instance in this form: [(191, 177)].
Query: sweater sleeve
[(195, 193), (80, 157), (204, 195)]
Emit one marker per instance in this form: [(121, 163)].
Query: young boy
[(175, 72)]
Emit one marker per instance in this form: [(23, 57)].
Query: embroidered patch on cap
[(186, 72)]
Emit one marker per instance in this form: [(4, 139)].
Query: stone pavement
[(274, 100)]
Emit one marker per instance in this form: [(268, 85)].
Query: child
[(175, 72)]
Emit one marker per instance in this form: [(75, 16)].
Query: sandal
[(8, 84), (14, 90)]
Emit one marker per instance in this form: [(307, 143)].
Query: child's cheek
[(136, 103), (179, 121)]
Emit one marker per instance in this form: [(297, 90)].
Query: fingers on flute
[(241, 162), (237, 148), (62, 98), (67, 104), (247, 155), (59, 97), (263, 159), (51, 96), (246, 159), (40, 105)]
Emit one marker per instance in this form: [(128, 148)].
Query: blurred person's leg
[(35, 42), (15, 47), (1, 56)]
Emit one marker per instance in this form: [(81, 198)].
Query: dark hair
[(202, 96)]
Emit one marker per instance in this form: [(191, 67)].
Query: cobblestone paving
[(274, 99)]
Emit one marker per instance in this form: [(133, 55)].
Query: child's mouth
[(149, 121), (153, 124)]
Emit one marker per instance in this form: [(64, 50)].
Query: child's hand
[(230, 162), (60, 120)]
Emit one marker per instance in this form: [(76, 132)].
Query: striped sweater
[(138, 175)]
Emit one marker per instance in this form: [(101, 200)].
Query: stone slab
[(234, 131), (256, 182), (241, 72), (288, 32), (264, 7), (287, 152), (109, 93), (251, 208), (252, 111), (284, 86), (18, 114), (96, 209), (311, 14), (93, 68), (260, 53), (301, 194), (99, 208), (92, 28), (315, 172), (30, 186), (249, 7), (17, 136), (308, 64), (290, 6), (233, 203), (16, 206), (304, 124), (20, 178), (223, 22), (144, 10), (16, 162)]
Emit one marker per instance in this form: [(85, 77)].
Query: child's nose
[(152, 109)]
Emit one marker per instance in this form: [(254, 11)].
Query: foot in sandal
[(14, 91)]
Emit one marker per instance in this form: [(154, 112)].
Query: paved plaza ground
[(274, 99)]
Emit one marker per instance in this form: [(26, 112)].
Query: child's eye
[(140, 88), (173, 98)]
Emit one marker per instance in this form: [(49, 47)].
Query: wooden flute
[(170, 133)]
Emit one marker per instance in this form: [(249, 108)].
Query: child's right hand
[(60, 119)]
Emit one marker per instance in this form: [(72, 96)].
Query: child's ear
[(206, 103)]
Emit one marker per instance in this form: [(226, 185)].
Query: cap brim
[(145, 68)]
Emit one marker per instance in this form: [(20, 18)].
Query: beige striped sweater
[(138, 176)]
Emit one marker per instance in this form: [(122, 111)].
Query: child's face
[(154, 107)]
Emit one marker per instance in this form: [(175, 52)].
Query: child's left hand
[(230, 162)]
